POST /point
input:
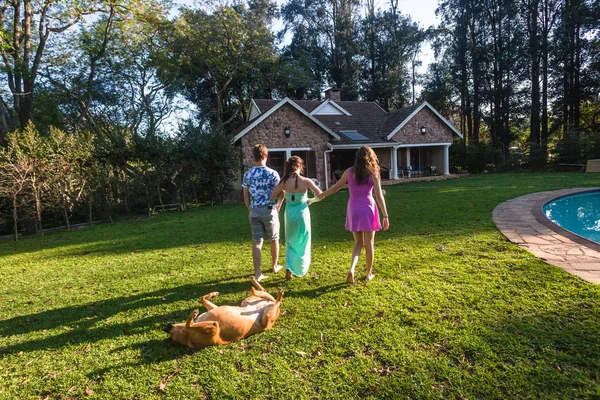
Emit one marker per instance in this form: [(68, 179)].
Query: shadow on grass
[(204, 226), (557, 353), (92, 322)]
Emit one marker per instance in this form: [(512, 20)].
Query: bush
[(475, 158)]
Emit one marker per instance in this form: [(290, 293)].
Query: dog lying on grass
[(226, 324)]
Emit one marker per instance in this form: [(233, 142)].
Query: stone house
[(327, 133)]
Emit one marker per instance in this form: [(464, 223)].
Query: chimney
[(333, 94)]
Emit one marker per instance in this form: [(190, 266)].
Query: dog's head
[(178, 333), (194, 338)]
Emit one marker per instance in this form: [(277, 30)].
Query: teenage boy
[(258, 184)]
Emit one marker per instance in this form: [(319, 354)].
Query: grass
[(455, 310)]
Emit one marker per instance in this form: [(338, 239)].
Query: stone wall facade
[(437, 131), (384, 155), (304, 133)]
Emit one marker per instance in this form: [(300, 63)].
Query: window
[(278, 157), (310, 163), (276, 161)]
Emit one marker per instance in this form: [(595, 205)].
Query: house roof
[(245, 128), (367, 118)]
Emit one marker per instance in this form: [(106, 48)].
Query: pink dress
[(362, 214)]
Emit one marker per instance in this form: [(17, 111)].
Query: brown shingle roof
[(367, 118), (393, 119)]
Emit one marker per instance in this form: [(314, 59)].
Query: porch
[(397, 162)]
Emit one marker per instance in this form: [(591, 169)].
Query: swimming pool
[(577, 213)]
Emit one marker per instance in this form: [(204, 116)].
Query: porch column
[(446, 160), (408, 156), (394, 159)]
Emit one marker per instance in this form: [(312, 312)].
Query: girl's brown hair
[(366, 165), (292, 164)]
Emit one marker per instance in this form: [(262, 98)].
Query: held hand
[(386, 223), (312, 200)]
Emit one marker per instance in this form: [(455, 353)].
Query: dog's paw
[(213, 294), (195, 313)]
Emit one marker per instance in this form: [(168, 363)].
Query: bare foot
[(370, 276), (260, 278), (350, 278), (276, 268), (288, 274)]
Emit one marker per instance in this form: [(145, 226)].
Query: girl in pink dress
[(362, 215)]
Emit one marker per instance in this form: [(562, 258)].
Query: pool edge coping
[(515, 219), (542, 219)]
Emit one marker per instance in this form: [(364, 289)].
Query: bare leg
[(256, 248), (209, 306), (369, 240), (275, 256), (358, 245)]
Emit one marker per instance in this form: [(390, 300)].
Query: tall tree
[(332, 25), (218, 58), (25, 28)]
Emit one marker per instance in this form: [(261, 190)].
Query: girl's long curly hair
[(292, 164), (366, 165)]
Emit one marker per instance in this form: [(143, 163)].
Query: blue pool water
[(578, 213)]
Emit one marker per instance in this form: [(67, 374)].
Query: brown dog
[(226, 324)]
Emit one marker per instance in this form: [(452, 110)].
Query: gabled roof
[(245, 128), (367, 118), (331, 105), (414, 112)]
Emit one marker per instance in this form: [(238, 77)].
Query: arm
[(246, 198), (315, 189), (338, 185), (278, 189), (280, 198), (381, 202)]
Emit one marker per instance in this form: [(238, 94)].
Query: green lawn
[(454, 312)]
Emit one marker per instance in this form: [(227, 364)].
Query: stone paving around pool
[(519, 220)]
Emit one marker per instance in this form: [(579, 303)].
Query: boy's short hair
[(260, 152)]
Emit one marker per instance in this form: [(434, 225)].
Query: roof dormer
[(330, 107)]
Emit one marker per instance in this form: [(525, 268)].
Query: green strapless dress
[(297, 233)]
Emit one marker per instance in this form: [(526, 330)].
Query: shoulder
[(249, 173), (271, 172)]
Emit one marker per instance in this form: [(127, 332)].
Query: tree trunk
[(38, 211), (66, 214), (534, 126), (15, 219), (90, 210), (162, 206)]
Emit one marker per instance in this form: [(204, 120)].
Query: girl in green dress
[(297, 216)]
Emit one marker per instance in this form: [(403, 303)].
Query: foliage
[(218, 60), (455, 310), (509, 70), (212, 159), (474, 157)]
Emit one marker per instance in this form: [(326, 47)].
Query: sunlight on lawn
[(455, 309)]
